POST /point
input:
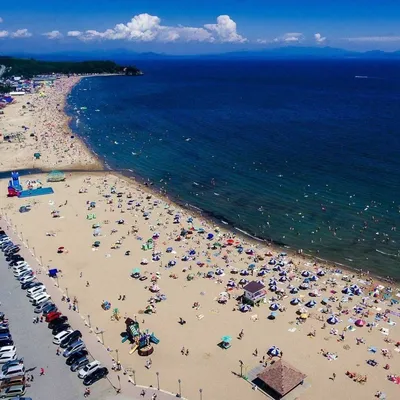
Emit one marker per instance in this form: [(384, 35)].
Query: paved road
[(34, 344)]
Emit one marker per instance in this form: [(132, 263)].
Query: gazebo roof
[(281, 377), (254, 287)]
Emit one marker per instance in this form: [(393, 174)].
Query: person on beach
[(42, 371)]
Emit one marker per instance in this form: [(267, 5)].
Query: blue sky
[(187, 26)]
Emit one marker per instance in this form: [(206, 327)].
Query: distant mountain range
[(288, 52)]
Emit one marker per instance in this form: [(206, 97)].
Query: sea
[(304, 153)]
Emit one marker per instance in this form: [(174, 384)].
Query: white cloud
[(374, 39), (319, 38), (148, 28), (21, 33), (74, 33), (226, 30), (3, 34), (263, 41), (53, 35), (293, 37)]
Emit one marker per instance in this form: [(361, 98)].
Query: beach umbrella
[(314, 278), (192, 252), (201, 230), (251, 266), (272, 281), (219, 271), (185, 258), (304, 286), (274, 351), (294, 290), (244, 308), (360, 323), (311, 304), (295, 301), (230, 241), (231, 283), (282, 273), (156, 257), (283, 279), (304, 316), (37, 156), (144, 261), (262, 272), (260, 281), (321, 273), (272, 315), (273, 288), (306, 274), (226, 339), (346, 290), (244, 272), (277, 268), (234, 271), (332, 320), (243, 281), (210, 274), (171, 263), (274, 307), (210, 236), (272, 261), (314, 293)]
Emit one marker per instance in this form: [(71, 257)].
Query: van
[(60, 336), (12, 372), (41, 299)]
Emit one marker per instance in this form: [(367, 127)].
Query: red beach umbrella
[(360, 323)]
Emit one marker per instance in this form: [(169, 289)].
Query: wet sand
[(108, 271)]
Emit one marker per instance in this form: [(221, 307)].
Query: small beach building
[(56, 176), (254, 293), (279, 379)]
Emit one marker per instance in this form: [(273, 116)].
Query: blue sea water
[(302, 152)]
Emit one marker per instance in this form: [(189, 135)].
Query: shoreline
[(109, 272)]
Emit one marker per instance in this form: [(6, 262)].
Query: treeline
[(30, 67)]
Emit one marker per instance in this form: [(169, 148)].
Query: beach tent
[(56, 176)]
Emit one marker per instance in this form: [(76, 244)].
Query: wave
[(386, 254)]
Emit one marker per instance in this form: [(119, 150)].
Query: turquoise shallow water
[(302, 152)]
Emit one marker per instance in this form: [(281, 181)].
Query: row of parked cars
[(67, 339)]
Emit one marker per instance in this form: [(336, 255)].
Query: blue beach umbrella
[(306, 274), (295, 301), (274, 351), (332, 320), (311, 304), (274, 307)]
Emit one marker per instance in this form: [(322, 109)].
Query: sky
[(195, 27)]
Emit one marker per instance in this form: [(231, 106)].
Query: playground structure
[(33, 188), (142, 341)]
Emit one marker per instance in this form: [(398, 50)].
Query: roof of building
[(254, 287), (281, 377)]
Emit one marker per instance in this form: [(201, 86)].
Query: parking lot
[(34, 344)]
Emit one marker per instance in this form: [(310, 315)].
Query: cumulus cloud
[(74, 33), (53, 35), (3, 34), (293, 37), (21, 33), (148, 28), (319, 38), (388, 39)]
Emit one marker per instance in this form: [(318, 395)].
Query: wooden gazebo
[(279, 378)]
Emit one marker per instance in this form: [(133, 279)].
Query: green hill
[(31, 67)]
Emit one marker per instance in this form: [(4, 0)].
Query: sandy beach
[(191, 269)]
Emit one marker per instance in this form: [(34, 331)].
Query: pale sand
[(207, 366), (45, 118)]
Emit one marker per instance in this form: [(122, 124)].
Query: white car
[(11, 372), (41, 299), (7, 349), (12, 355), (36, 295), (20, 265), (22, 273), (60, 336), (5, 240), (37, 289), (88, 369)]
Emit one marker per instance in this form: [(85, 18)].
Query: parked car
[(49, 308), (24, 274), (29, 285), (13, 256), (12, 372), (6, 342), (60, 328), (37, 289), (58, 321), (13, 391), (95, 376), (79, 363), (17, 380), (4, 329), (62, 335), (88, 369), (14, 261), (52, 315), (70, 339), (20, 264), (74, 347), (7, 349), (11, 363), (71, 359), (44, 297), (5, 336), (37, 294), (26, 279), (13, 250), (5, 357), (39, 309)]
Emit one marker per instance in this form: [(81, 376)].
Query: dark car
[(30, 285), (12, 250), (58, 321), (59, 328), (49, 308), (70, 339), (4, 329), (71, 359), (14, 261), (6, 342), (95, 376), (78, 364), (10, 258)]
